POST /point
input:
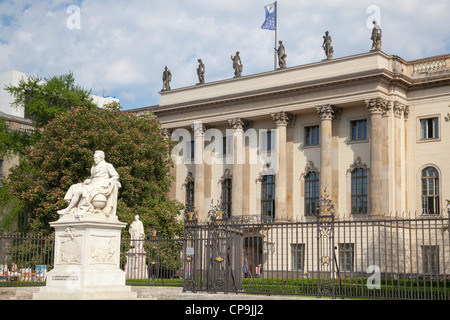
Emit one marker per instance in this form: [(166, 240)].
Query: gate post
[(325, 247), (189, 248)]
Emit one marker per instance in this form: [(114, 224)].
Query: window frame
[(227, 200), (364, 128), (346, 251), (435, 121), (298, 256), (308, 137), (427, 197), (311, 184), (265, 199), (364, 194)]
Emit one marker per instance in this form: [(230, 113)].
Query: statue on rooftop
[(327, 45), (167, 77), (201, 71), (237, 65), (281, 55), (376, 37)]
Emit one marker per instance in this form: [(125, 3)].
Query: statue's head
[(99, 156)]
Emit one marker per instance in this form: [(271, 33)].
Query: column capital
[(239, 123), (327, 111), (199, 128), (378, 106), (400, 109), (282, 118), (165, 133)]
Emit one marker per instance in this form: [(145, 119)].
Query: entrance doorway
[(253, 253)]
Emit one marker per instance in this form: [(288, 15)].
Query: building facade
[(368, 131)]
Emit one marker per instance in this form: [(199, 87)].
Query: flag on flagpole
[(271, 14)]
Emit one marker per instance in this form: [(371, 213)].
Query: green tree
[(64, 155), (42, 100)]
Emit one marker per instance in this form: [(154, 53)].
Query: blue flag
[(270, 21)]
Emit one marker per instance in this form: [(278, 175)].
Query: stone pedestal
[(87, 256), (136, 266)]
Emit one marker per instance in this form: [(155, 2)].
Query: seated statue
[(98, 194)]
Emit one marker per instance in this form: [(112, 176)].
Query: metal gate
[(212, 253)]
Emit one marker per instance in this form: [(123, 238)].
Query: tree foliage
[(42, 100), (64, 155)]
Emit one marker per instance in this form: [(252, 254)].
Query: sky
[(120, 48)]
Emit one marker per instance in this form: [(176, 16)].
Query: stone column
[(377, 108), (237, 189), (199, 169), (281, 120), (326, 113)]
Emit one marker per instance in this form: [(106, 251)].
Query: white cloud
[(122, 47)]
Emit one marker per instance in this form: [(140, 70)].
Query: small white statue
[(98, 194), (137, 234)]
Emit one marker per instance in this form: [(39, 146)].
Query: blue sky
[(119, 48)]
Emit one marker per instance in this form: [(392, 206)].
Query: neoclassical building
[(368, 131)]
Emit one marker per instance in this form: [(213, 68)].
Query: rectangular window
[(359, 191), (359, 130), (226, 196), (192, 150), (312, 135), (430, 259), (268, 198), (297, 256), (227, 146), (269, 141), (312, 193), (346, 256), (429, 128)]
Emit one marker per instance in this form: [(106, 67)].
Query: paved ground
[(154, 293)]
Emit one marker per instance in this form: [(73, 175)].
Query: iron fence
[(370, 258), (365, 258)]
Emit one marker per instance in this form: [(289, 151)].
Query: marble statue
[(201, 71), (167, 77), (137, 234), (281, 55), (98, 194), (327, 45), (376, 37), (237, 65)]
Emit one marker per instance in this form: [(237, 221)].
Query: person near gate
[(258, 271)]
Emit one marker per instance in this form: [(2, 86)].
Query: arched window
[(430, 191), (312, 193), (359, 191), (268, 197)]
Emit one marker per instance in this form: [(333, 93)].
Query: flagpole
[(275, 48)]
